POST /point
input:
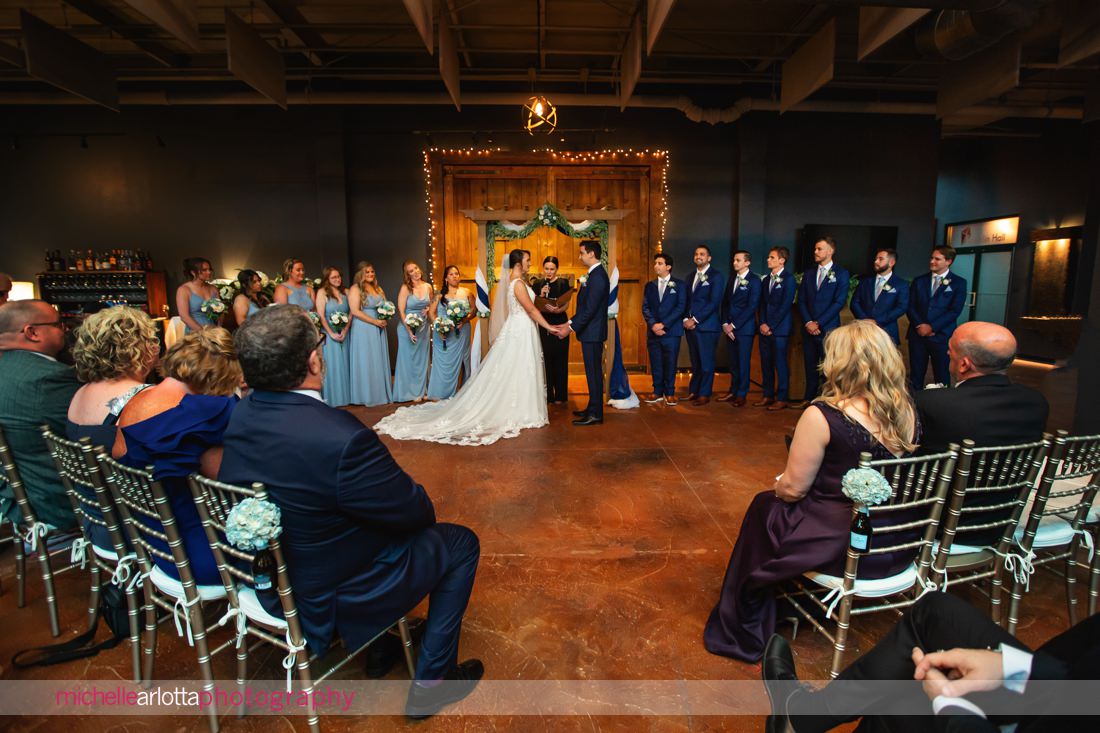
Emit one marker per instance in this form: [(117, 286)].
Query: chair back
[(146, 515), (214, 501), (988, 493), (83, 481), (1070, 458), (18, 490)]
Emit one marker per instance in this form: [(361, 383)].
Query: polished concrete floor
[(603, 550)]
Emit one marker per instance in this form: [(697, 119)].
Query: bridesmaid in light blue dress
[(191, 294), (333, 298), (251, 298), (410, 380), (293, 289), (371, 376), (450, 356)]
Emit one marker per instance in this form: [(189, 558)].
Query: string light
[(594, 156)]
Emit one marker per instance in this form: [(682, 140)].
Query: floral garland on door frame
[(546, 216)]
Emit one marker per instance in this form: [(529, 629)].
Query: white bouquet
[(252, 524), (212, 308), (338, 321), (414, 321), (316, 283), (866, 486), (457, 310), (315, 318), (386, 309), (227, 289), (443, 326)]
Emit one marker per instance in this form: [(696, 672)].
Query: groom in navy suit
[(663, 305), (884, 297), (590, 325), (935, 301), (821, 296)]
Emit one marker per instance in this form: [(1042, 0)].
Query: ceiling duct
[(953, 35)]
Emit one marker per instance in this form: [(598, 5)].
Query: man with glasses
[(35, 390)]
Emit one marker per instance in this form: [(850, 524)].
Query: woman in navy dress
[(251, 298), (371, 375), (177, 427), (332, 299), (803, 524), (450, 355), (294, 289), (410, 380), (191, 294)]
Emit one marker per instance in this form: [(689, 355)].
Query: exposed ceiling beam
[(656, 14), (631, 66), (810, 68), (116, 23), (1080, 33), (878, 25), (983, 76), (810, 22), (420, 12), (253, 60), (448, 60), (542, 34), (460, 39), (178, 17), (295, 28), (55, 57)]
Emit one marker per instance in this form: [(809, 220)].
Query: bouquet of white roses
[(866, 486), (227, 289), (212, 308), (338, 321), (414, 321), (315, 318), (386, 309), (443, 326), (457, 310), (252, 524), (316, 283)]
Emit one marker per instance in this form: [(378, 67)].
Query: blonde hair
[(288, 265), (330, 291), (360, 279), (862, 362), (115, 342), (405, 273), (206, 361)]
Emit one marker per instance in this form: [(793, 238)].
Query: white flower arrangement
[(338, 321), (457, 310), (414, 321), (443, 326), (386, 309), (866, 486), (316, 282), (316, 319), (227, 289), (546, 216), (212, 308), (252, 524)]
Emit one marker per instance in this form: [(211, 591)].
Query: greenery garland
[(547, 216)]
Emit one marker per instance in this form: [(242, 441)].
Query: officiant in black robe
[(555, 351)]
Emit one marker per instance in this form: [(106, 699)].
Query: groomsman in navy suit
[(821, 296), (702, 323), (936, 299), (590, 325), (883, 298), (739, 324), (776, 299), (663, 306)]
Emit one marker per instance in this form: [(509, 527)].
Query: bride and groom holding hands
[(494, 403)]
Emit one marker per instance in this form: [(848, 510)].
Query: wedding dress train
[(507, 395)]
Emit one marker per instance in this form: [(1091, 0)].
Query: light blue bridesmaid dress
[(194, 308), (449, 357), (253, 309), (337, 386), (299, 296), (369, 359), (410, 380)]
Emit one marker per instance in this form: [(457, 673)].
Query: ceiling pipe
[(953, 35), (692, 111)]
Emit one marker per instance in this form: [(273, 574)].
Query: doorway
[(988, 271)]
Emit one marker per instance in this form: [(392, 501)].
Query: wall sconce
[(21, 290)]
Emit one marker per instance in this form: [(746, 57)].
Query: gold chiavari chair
[(214, 500), (91, 501), (907, 522)]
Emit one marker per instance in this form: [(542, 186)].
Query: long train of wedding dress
[(507, 395)]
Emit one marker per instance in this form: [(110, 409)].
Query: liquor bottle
[(113, 259), (49, 261), (79, 263), (263, 571), (861, 530), (89, 261)]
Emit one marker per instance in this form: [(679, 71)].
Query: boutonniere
[(945, 281), (886, 288), (742, 283), (831, 277), (583, 279), (703, 278), (671, 287)]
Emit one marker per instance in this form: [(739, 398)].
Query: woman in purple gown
[(803, 523)]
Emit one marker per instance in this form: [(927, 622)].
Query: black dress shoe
[(580, 413), (424, 702), (388, 650), (588, 420), (780, 681)]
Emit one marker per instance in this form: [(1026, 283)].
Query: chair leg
[(995, 588), (407, 646), (1094, 582), (1071, 583), (1015, 594), (843, 621), (242, 675), (198, 628), (47, 583), (306, 678), (150, 645), (93, 600), (20, 572), (135, 632)]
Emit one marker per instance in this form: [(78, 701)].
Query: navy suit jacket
[(669, 311), (741, 303), (940, 311), (823, 304), (889, 307), (704, 303), (775, 307), (349, 512), (590, 320)]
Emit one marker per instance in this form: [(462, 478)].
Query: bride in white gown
[(508, 393)]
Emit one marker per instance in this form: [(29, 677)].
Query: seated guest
[(35, 390), (983, 406), (803, 524), (984, 670), (176, 427), (5, 287), (251, 298), (360, 535)]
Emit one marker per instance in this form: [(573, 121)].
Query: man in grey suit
[(35, 390)]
